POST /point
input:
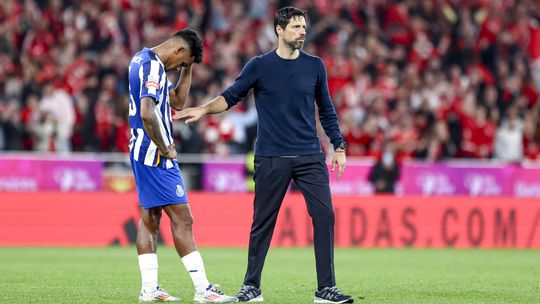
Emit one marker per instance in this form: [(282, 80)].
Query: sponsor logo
[(526, 189), (179, 191), (482, 184), (224, 180), (436, 184), (74, 179), (352, 187), (18, 183), (152, 84)]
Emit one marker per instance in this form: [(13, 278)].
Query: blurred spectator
[(45, 132), (509, 138), (12, 126), (478, 133), (58, 103), (2, 136), (385, 173), (30, 117), (240, 119), (531, 148)]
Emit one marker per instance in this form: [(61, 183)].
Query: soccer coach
[(287, 83)]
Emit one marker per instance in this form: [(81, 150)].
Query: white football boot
[(158, 295), (213, 295)]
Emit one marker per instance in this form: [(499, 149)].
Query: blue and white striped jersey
[(147, 78)]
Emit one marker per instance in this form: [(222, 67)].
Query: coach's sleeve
[(150, 74), (327, 113), (243, 83)]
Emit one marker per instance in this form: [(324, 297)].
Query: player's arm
[(231, 96), (180, 93), (151, 125)]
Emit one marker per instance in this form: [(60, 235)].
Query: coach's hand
[(169, 153), (192, 114), (340, 160)]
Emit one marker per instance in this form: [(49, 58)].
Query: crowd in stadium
[(434, 79)]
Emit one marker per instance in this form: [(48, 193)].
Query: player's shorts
[(158, 186)]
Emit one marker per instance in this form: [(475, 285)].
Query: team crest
[(179, 191)]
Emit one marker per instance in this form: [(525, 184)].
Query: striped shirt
[(147, 78)]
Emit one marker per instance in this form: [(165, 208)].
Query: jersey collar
[(151, 51)]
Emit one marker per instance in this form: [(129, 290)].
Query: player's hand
[(192, 114), (170, 153), (340, 160), (187, 65)]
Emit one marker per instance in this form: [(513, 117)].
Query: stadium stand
[(436, 79)]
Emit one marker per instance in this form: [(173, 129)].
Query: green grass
[(110, 275)]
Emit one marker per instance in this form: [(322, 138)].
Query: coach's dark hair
[(194, 41), (284, 15)]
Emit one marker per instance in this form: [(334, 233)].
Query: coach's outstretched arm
[(217, 105), (151, 125), (231, 96)]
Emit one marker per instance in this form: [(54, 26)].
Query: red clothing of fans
[(122, 135), (339, 72), (489, 31), (104, 125), (477, 138), (534, 42), (75, 76), (531, 149)]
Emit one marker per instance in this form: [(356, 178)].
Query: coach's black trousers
[(272, 177)]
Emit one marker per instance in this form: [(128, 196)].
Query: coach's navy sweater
[(285, 95)]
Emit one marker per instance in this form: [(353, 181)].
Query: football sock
[(195, 267), (148, 264)]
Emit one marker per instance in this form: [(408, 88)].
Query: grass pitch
[(111, 275)]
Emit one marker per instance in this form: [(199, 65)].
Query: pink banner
[(230, 176), (354, 180), (446, 179), (224, 176), (464, 178), (38, 174), (526, 182)]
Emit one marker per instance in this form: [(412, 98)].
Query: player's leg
[(146, 247), (182, 232), (272, 177), (147, 234), (311, 176), (182, 228), (148, 180), (184, 243), (148, 230)]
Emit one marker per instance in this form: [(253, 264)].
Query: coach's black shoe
[(331, 295), (249, 294)]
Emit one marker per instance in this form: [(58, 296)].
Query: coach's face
[(294, 33), (180, 58)]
